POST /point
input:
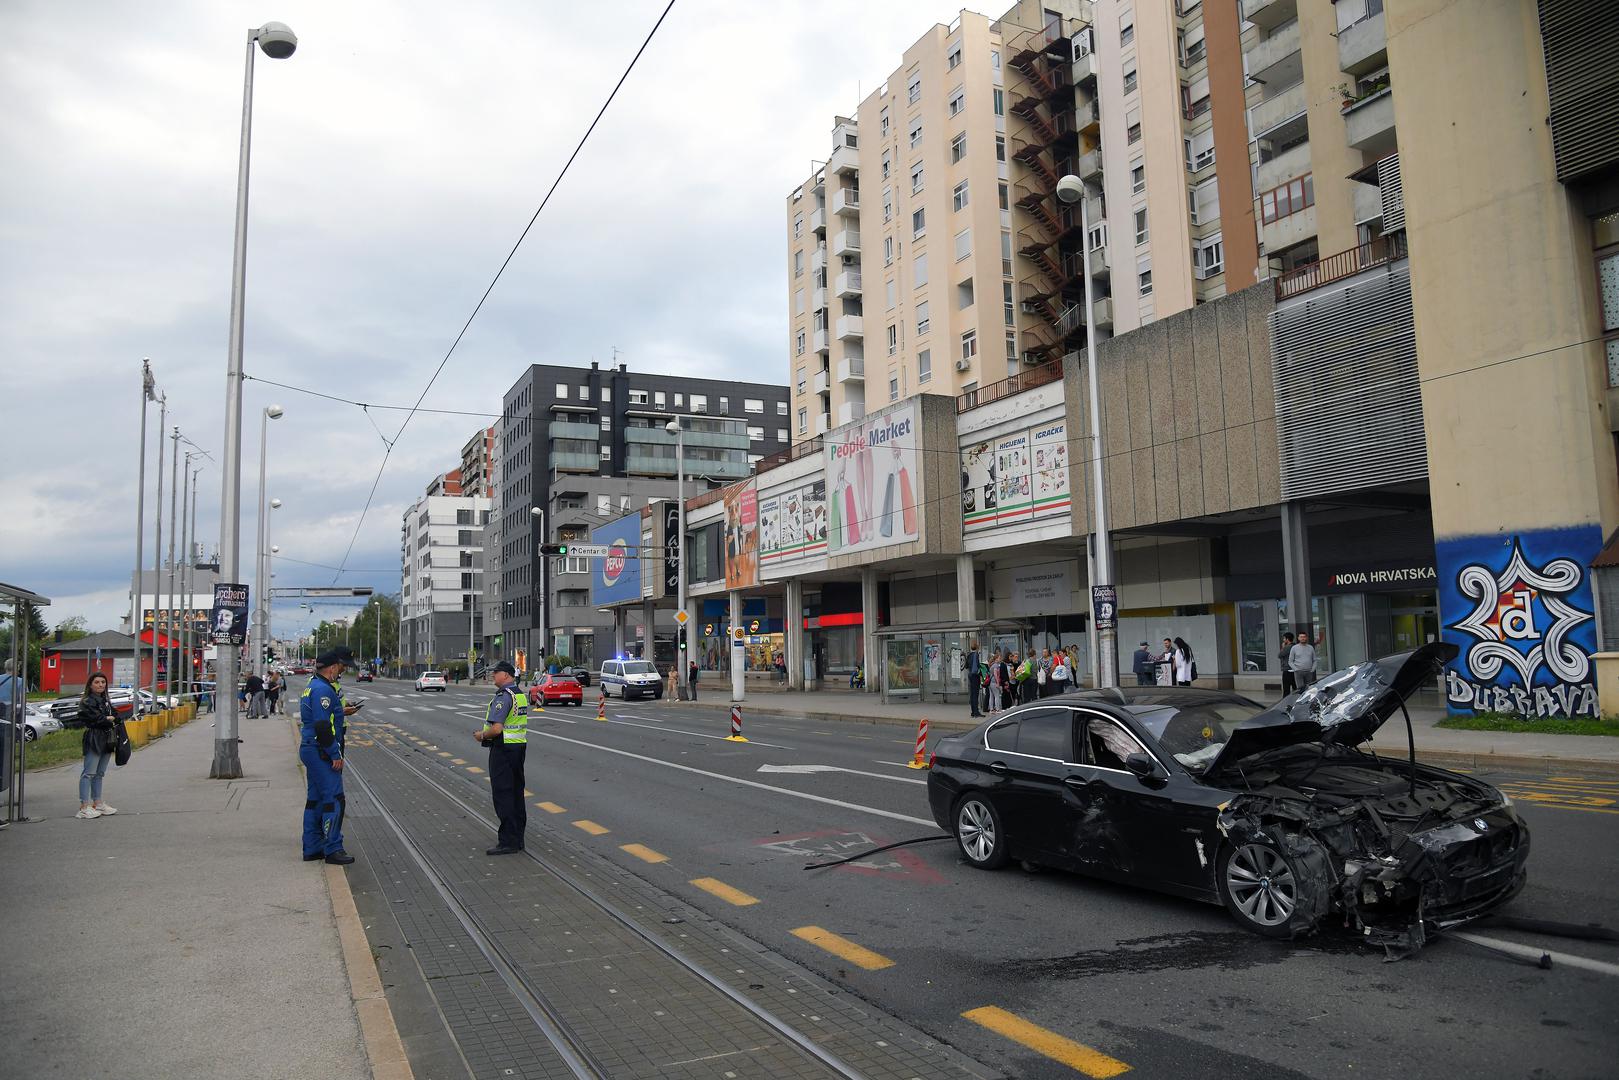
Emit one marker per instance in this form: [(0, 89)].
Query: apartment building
[(491, 602), (441, 580), (478, 463), (574, 435)]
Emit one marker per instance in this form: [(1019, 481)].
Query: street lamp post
[(191, 584), (278, 43), (676, 428), (538, 513), (174, 531), (261, 607), (1071, 189), (157, 546), (187, 510), (148, 394)]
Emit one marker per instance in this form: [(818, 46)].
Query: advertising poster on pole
[(873, 482), (741, 536), (230, 614)]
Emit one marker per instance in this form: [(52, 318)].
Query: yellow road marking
[(843, 948), (591, 827), (474, 769), (551, 808), (527, 793), (644, 853), (1041, 1041), (458, 761), (716, 887), (443, 753)]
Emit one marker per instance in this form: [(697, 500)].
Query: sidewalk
[(1439, 746), (182, 937)]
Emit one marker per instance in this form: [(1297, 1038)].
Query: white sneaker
[(104, 810), (88, 812)]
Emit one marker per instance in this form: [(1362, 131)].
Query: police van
[(630, 679)]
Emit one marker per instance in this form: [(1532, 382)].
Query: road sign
[(737, 635), (682, 618), (589, 551)]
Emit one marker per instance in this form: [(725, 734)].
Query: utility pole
[(174, 493), (185, 597), (148, 394), (157, 553)]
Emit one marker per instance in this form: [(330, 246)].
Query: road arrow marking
[(805, 770)]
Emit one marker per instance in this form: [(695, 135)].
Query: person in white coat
[(1185, 666)]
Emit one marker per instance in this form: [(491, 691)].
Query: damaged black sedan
[(1278, 813)]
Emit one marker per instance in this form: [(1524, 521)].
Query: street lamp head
[(1070, 189), (275, 504), (275, 549), (273, 412), (277, 40), (536, 511), (672, 427)]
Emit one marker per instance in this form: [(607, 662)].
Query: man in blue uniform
[(323, 713), (505, 733)]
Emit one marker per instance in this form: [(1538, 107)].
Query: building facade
[(441, 587), (478, 463), (570, 437)]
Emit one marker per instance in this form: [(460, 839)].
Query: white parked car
[(631, 679), (430, 680), (39, 721)]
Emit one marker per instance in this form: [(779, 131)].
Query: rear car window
[(1003, 736)]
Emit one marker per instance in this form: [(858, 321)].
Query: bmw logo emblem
[(1481, 825)]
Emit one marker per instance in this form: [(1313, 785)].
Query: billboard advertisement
[(1016, 477), (792, 523), (741, 535), (872, 482), (616, 577)]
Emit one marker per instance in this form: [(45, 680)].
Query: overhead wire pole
[(174, 493), (184, 606), (148, 394), (157, 554)]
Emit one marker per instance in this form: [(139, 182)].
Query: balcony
[(818, 258), (1364, 46), (820, 424), (846, 242), (847, 284), (821, 344), (1086, 116), (845, 161), (1345, 264), (712, 440), (1104, 312), (851, 327), (1084, 69), (850, 411), (570, 462), (573, 429), (1269, 14), (852, 369), (1098, 262), (1290, 163), (1369, 123), (846, 201), (1367, 200), (818, 220), (821, 382), (817, 299), (1276, 110), (1275, 60), (1289, 231)]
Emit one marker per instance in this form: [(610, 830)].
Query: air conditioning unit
[(964, 364)]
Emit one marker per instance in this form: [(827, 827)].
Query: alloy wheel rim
[(977, 830), (1262, 885)]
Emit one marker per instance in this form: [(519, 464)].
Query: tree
[(363, 636), (38, 636), (73, 628)]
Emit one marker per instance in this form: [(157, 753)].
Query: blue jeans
[(95, 769)]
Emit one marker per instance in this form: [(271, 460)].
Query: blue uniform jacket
[(321, 713)]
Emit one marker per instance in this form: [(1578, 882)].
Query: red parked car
[(557, 689)]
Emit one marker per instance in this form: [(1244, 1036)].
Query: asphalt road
[(1168, 987)]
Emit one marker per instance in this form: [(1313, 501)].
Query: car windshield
[(639, 667), (1196, 732)]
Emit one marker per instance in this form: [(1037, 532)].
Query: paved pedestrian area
[(593, 951), (180, 938)]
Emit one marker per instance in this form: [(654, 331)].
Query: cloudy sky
[(397, 156)]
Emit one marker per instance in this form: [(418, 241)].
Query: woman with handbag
[(100, 722)]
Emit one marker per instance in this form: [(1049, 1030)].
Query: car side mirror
[(1142, 765)]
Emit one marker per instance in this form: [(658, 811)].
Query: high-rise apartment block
[(441, 559)]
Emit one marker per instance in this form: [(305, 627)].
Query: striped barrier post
[(601, 704), (736, 724), (919, 759)]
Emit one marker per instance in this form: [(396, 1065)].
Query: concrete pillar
[(1296, 567), (649, 619), (966, 589), (738, 682), (620, 631), (792, 622), (868, 628)]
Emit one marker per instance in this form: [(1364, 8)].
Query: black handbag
[(122, 747)]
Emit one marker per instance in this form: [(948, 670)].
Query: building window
[(1008, 307), (781, 434), (638, 397), (607, 393), (893, 338), (1200, 150), (607, 453), (913, 90), (803, 419), (953, 58), (781, 408), (964, 294), (888, 205), (1127, 27), (1208, 256), (798, 301), (995, 59), (1141, 226), (1132, 134), (798, 344), (919, 223), (607, 423), (1003, 195), (1006, 251), (924, 365), (679, 400), (1000, 101), (1000, 148), (969, 344), (1130, 81), (958, 198), (958, 148), (919, 271), (958, 101), (1011, 345), (801, 380), (916, 178), (658, 399), (798, 264), (725, 406), (1192, 47), (562, 391), (886, 164), (798, 226), (964, 244), (1144, 275), (923, 324), (699, 403), (1295, 195), (753, 405), (890, 294), (756, 434), (916, 133), (888, 250), (882, 122), (1138, 177), (1203, 201)]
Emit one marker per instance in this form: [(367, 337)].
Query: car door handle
[(997, 766), (1078, 783)]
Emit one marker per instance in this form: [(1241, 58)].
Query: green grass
[(57, 748), (1494, 721)]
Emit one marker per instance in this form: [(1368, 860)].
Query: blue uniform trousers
[(323, 805)]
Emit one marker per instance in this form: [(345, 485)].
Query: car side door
[(1025, 754)]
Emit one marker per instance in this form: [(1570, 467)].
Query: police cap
[(340, 654), (506, 666)]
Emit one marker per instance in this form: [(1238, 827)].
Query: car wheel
[(1274, 886), (979, 833), (29, 734)]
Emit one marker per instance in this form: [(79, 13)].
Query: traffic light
[(682, 638), (553, 549)]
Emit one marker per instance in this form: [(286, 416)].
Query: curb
[(383, 1048)]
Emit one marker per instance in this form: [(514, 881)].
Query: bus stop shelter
[(13, 746)]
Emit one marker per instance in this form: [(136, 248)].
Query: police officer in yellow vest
[(505, 733)]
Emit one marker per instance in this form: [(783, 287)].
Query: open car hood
[(1346, 708)]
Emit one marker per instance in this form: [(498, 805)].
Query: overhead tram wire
[(496, 280), (368, 404)]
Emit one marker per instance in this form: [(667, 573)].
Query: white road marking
[(699, 734), (808, 769), (396, 708), (929, 822), (632, 716), (1530, 952)]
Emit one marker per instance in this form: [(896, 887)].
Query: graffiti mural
[(1520, 608)]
